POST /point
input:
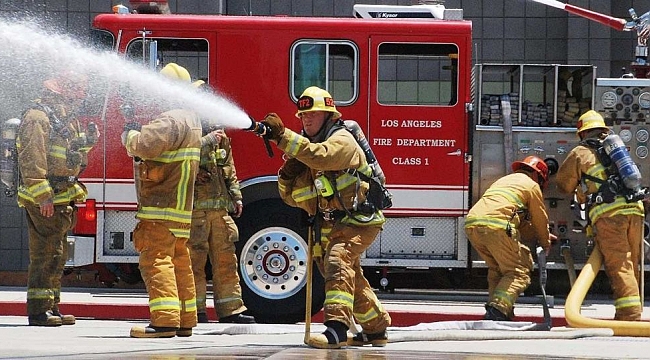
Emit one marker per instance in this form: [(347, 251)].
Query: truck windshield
[(192, 54), (102, 39)]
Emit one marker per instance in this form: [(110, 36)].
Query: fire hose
[(577, 295)]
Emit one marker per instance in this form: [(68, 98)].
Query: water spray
[(31, 55)]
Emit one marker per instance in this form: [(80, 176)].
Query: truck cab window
[(330, 65), (192, 54), (418, 74)]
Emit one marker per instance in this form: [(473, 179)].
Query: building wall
[(515, 31)]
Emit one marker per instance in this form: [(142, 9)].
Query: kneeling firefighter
[(601, 174), (321, 176), (493, 228)]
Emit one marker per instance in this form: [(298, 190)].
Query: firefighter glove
[(291, 169), (132, 125), (212, 138), (275, 127)]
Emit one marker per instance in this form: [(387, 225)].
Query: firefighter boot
[(361, 339), (184, 332), (237, 319), (491, 313), (334, 337), (65, 319), (44, 319), (202, 317), (153, 332)]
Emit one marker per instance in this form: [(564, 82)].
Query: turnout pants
[(347, 291), (167, 273), (48, 249), (509, 265), (619, 240), (214, 234)]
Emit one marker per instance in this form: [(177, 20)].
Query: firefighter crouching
[(316, 178), (168, 152), (492, 227), (616, 222), (52, 149), (214, 232)]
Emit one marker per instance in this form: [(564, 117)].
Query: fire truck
[(442, 128)]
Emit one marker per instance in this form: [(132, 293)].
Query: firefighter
[(214, 233), (166, 153), (318, 177), (617, 225), (50, 157), (493, 228)]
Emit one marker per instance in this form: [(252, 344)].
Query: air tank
[(355, 129), (627, 169), (9, 156)]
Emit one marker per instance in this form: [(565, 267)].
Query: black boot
[(334, 337), (44, 319), (362, 338), (202, 317), (491, 313), (237, 319), (154, 332), (65, 319)]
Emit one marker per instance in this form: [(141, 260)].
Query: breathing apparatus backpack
[(378, 197), (9, 170), (623, 175), (9, 174)]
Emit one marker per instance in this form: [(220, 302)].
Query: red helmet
[(68, 84), (536, 164)]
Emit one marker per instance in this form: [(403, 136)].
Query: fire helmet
[(176, 72), (591, 120), (537, 165), (316, 99), (68, 84)]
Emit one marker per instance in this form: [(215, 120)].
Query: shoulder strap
[(338, 125)]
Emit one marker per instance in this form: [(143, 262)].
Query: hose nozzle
[(258, 128), (263, 131)]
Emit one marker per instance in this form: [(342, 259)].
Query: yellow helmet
[(316, 99), (591, 120), (176, 72)]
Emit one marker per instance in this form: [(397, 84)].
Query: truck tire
[(272, 253)]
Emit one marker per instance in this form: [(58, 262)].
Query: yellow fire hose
[(577, 295)]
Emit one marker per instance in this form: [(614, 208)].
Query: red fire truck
[(405, 74)]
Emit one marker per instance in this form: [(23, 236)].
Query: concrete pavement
[(109, 339)]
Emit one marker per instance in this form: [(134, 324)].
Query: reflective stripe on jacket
[(333, 157), (169, 147), (223, 187), (582, 160), (42, 155), (506, 200)]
